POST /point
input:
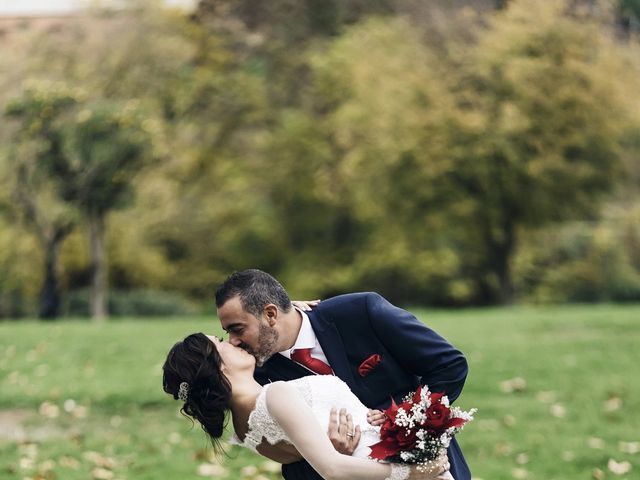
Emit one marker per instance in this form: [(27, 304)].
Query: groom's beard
[(267, 341)]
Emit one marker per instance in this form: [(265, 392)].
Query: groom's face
[(255, 335)]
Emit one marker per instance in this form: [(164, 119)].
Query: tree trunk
[(505, 282), (502, 252), (499, 252), (98, 267), (49, 306), (49, 294)]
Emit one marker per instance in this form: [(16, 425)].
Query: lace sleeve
[(262, 424)]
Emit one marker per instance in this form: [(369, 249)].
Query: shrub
[(137, 302)]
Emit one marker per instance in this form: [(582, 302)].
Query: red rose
[(388, 429), (437, 416), (406, 440)]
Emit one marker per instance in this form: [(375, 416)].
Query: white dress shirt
[(306, 339)]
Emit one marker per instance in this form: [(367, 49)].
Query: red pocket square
[(369, 364)]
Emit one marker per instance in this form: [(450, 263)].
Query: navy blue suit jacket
[(353, 327)]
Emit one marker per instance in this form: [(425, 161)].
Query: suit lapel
[(332, 346)]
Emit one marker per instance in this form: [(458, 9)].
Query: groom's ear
[(271, 313)]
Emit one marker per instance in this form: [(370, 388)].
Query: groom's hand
[(342, 433), (376, 417)]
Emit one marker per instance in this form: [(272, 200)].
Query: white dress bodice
[(321, 393)]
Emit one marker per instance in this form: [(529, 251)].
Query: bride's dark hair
[(196, 361)]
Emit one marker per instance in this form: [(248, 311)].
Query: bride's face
[(234, 358)]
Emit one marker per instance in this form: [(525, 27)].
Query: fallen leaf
[(101, 474), (619, 468), (502, 448), (27, 463), (629, 447), (613, 404), (49, 410), (249, 470), (509, 420), (69, 462), (212, 470), (546, 397), (519, 473), (558, 411), (69, 405), (47, 465), (517, 384)]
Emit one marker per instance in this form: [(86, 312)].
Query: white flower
[(402, 420), (424, 397), (406, 456)]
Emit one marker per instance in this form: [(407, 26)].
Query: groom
[(379, 350)]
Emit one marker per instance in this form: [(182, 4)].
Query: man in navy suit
[(379, 350)]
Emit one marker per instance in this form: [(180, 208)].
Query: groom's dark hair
[(256, 290)]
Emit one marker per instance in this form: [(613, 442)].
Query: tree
[(447, 159), (36, 143), (535, 137), (362, 215), (104, 148), (86, 157)]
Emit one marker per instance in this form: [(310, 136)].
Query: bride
[(212, 377)]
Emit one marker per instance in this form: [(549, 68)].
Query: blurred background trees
[(455, 153)]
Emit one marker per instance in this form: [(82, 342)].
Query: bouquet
[(419, 430)]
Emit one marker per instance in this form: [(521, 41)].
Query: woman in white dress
[(214, 377)]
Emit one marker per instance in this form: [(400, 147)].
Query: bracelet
[(399, 472)]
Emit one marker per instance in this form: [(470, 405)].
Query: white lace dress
[(321, 393)]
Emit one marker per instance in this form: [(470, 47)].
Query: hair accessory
[(183, 391)]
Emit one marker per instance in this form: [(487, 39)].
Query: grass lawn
[(555, 387)]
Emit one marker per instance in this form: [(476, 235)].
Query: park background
[(477, 162)]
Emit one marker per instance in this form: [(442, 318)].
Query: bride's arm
[(295, 417)]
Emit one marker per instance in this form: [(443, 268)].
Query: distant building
[(50, 8), (52, 15)]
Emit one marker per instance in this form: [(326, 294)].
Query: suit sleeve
[(417, 348)]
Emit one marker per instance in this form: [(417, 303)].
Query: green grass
[(578, 391)]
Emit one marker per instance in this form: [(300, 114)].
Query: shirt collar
[(306, 336)]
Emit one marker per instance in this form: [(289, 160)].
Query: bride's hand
[(344, 437), (305, 305), (437, 469)]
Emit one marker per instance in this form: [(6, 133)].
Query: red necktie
[(303, 357)]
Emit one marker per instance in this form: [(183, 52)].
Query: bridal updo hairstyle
[(195, 360)]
